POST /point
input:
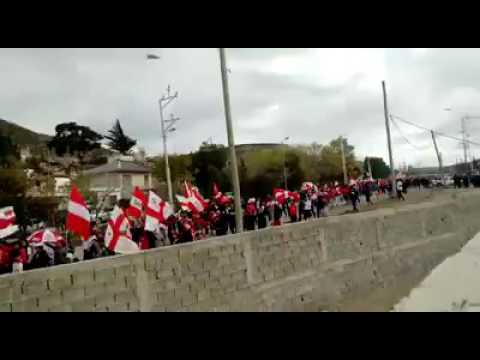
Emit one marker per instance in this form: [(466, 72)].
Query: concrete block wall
[(364, 261)]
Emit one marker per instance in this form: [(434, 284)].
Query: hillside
[(22, 136)]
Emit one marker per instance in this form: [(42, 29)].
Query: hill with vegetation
[(22, 136)]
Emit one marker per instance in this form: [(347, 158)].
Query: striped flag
[(196, 200), (157, 212), (138, 202), (7, 222), (118, 237), (78, 218)]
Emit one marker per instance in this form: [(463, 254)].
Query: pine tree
[(118, 140)]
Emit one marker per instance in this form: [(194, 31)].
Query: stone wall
[(365, 261)]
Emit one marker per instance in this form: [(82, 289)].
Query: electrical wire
[(436, 132), (404, 137)]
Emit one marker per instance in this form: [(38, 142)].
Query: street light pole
[(163, 103), (231, 142)]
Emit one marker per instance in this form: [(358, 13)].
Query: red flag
[(7, 222), (138, 202), (78, 218), (118, 237), (282, 195)]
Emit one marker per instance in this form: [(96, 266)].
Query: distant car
[(448, 181)]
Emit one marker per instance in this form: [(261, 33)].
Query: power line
[(403, 136), (436, 132)]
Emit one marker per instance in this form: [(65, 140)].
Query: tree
[(74, 139), (8, 151), (295, 172), (179, 169), (118, 140), (208, 166), (380, 170)]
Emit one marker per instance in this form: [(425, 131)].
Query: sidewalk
[(451, 286)]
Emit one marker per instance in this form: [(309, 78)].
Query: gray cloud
[(311, 95)]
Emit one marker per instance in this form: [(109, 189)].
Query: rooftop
[(119, 166)]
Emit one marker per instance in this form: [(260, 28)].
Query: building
[(118, 177)]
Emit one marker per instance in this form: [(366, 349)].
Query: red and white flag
[(118, 237), (185, 203), (198, 203), (138, 202), (216, 192), (157, 212), (7, 222), (282, 195), (78, 217)]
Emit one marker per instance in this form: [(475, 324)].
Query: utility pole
[(163, 103), (344, 165), (389, 140), (439, 156), (464, 137), (231, 142)]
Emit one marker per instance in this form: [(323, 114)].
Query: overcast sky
[(307, 94)]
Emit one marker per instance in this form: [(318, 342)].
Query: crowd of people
[(17, 253)]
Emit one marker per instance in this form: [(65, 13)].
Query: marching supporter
[(314, 198), (186, 229), (354, 195), (263, 215), (222, 222), (40, 258), (19, 256), (307, 208), (92, 248), (367, 190), (230, 217), (277, 213), (250, 214), (292, 210), (400, 190), (326, 201)]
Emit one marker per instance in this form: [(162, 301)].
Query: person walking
[(277, 214), (354, 197), (262, 216), (250, 215), (400, 190), (307, 208), (367, 189), (292, 210)]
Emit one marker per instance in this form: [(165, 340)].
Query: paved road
[(412, 197)]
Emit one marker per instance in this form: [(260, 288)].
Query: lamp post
[(163, 103), (167, 127)]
